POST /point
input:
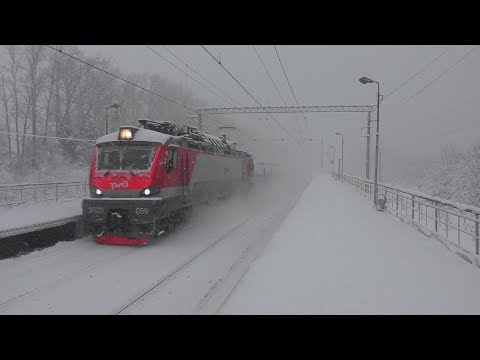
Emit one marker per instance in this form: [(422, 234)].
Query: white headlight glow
[(126, 134)]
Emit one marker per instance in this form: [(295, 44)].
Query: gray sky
[(328, 75)]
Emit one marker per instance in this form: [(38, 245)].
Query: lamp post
[(321, 150), (365, 80), (367, 162), (340, 134), (115, 106), (333, 161)]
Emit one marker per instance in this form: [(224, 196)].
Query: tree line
[(47, 94), (455, 177)]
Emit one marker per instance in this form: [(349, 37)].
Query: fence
[(11, 195), (457, 224)]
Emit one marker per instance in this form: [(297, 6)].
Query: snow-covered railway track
[(190, 271), (203, 283), (179, 268), (62, 279)]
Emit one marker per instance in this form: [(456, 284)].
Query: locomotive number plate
[(141, 211), (95, 210)]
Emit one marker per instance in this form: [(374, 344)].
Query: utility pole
[(115, 106), (365, 80), (321, 155), (185, 92), (332, 162), (342, 157), (340, 134), (106, 120), (367, 172), (377, 139), (199, 117), (380, 167)]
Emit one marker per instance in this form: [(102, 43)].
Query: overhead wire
[(266, 70), (204, 78), (442, 74), (417, 73), (138, 86), (188, 66), (48, 137), (243, 87), (271, 79), (288, 81), (198, 82)]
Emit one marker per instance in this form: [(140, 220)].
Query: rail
[(19, 194), (457, 224)]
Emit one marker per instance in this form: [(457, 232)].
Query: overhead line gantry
[(286, 109)]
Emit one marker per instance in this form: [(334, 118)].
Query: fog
[(204, 221), (411, 133), (429, 97)]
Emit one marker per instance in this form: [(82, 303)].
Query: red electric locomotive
[(144, 180)]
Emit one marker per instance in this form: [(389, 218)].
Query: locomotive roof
[(164, 131), (140, 135)]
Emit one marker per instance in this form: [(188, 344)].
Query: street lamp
[(333, 161), (321, 151), (339, 133), (115, 106), (367, 158), (365, 80)]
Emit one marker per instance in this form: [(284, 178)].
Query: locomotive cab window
[(109, 159), (125, 157), (172, 159)]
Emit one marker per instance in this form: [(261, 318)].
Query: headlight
[(95, 192), (125, 134), (150, 190)]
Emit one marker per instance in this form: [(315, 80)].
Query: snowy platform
[(335, 254), (38, 213)]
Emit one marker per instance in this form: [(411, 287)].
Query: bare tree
[(5, 102), (42, 91), (14, 64), (34, 57), (51, 78)]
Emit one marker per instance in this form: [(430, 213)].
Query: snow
[(140, 135), (335, 254), (39, 213), (441, 201), (82, 277)]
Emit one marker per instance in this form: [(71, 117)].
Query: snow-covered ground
[(335, 254), (82, 277), (34, 214)]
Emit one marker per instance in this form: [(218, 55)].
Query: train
[(145, 180)]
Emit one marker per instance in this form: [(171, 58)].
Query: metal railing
[(456, 224), (11, 195)]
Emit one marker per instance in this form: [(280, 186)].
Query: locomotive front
[(125, 203), (145, 181)]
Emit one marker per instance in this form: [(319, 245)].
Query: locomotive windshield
[(127, 157)]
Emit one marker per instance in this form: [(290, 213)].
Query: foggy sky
[(328, 75)]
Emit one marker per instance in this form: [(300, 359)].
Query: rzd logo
[(123, 184)]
